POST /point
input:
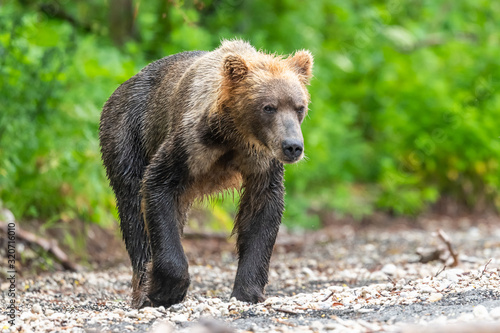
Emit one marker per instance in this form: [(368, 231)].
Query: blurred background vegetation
[(404, 119)]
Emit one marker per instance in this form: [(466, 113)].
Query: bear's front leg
[(167, 274), (257, 225)]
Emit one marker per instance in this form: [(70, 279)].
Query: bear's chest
[(223, 174)]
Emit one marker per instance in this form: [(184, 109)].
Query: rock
[(452, 274), (378, 276), (332, 327), (316, 325), (119, 311), (480, 312), (401, 283), (434, 297), (179, 317), (132, 314), (200, 307), (175, 308), (426, 289), (57, 316), (272, 300), (253, 327), (162, 327), (335, 289), (389, 269), (309, 272), (36, 308), (26, 316), (495, 313)]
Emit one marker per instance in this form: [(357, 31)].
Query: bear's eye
[(301, 109), (269, 109)]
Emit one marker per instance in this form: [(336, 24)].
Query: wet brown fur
[(185, 128)]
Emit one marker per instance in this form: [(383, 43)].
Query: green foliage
[(52, 90), (405, 105)]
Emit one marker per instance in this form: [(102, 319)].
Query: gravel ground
[(339, 279)]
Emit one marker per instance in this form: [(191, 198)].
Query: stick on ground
[(446, 239)]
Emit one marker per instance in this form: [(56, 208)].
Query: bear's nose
[(292, 148)]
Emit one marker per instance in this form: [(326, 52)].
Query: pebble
[(179, 317), (480, 312), (119, 311), (175, 308), (132, 314), (300, 287), (389, 269), (316, 325), (426, 289), (57, 316), (36, 308), (162, 327), (435, 297), (495, 313), (310, 274), (27, 316)]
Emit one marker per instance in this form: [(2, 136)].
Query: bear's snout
[(292, 149)]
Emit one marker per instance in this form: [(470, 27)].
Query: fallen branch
[(327, 297), (444, 237), (285, 311), (391, 280), (440, 271), (48, 245), (484, 270)]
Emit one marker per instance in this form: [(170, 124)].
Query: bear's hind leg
[(134, 235)]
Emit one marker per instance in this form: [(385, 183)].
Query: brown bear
[(191, 125)]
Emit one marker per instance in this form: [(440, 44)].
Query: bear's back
[(137, 110)]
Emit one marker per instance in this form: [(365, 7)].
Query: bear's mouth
[(290, 160)]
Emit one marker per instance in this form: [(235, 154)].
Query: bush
[(404, 110)]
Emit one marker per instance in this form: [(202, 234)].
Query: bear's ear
[(302, 63), (235, 67)]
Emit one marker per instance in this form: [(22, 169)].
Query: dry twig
[(484, 270), (284, 310), (440, 271), (446, 239), (391, 280), (327, 297)]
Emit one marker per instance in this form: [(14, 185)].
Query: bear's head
[(267, 99)]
